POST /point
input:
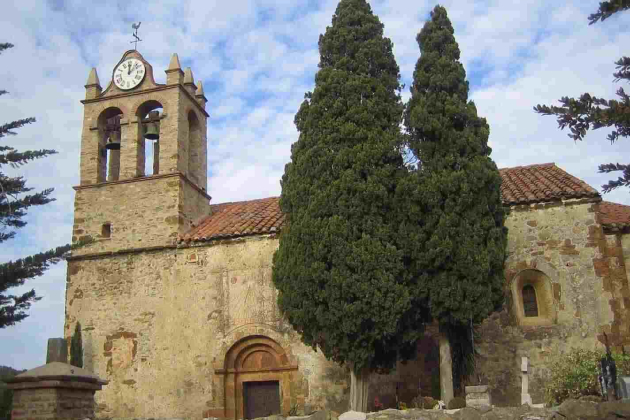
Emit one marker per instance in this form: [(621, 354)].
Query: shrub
[(457, 402), (574, 374), (426, 403)]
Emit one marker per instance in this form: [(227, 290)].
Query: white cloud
[(256, 59)]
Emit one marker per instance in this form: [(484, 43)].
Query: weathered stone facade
[(578, 272), (180, 314)]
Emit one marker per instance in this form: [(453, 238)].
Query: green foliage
[(6, 395), (6, 403), (590, 112), (574, 374), (14, 202), (76, 347), (343, 267), (607, 9), (457, 402), (426, 403), (461, 240)]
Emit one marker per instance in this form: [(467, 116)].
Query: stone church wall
[(579, 277), (160, 324)]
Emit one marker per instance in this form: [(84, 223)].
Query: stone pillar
[(525, 397), (446, 369), (156, 157), (57, 350), (54, 391)]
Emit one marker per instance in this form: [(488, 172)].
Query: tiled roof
[(241, 218), (613, 215), (521, 185), (540, 183)]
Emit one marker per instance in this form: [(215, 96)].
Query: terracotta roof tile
[(540, 183), (229, 220), (614, 215), (521, 185)]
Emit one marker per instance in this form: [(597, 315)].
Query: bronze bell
[(113, 141), (152, 126)]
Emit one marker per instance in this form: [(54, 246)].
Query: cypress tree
[(463, 245), (76, 347), (341, 267)]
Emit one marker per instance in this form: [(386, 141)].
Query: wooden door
[(262, 399)]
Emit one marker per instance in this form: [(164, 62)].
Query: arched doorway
[(255, 378)]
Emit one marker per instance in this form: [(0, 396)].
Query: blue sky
[(256, 59)]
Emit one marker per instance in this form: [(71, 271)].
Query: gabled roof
[(241, 218), (541, 183), (521, 185), (613, 215)]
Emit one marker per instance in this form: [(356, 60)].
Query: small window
[(529, 301), (106, 232)]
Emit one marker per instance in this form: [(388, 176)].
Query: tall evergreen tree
[(463, 246), (76, 347), (590, 112), (13, 206), (341, 267)]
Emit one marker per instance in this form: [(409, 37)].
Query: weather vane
[(135, 35)]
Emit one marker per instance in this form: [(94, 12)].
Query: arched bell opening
[(149, 115), (109, 144), (194, 148)]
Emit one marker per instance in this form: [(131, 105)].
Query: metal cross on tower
[(135, 35)]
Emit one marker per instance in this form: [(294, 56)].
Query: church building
[(175, 297)]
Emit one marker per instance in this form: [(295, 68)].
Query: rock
[(483, 409), (490, 415), (319, 415), (572, 409), (354, 415), (614, 409), (467, 413)]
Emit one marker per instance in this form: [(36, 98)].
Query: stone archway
[(252, 359)]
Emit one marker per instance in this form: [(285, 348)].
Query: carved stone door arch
[(255, 358)]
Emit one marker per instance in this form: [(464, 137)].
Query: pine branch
[(15, 273), (622, 181), (6, 128), (13, 308), (5, 46), (607, 9), (16, 159)]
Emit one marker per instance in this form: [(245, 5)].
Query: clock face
[(129, 74)]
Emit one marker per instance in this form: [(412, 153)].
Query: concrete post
[(57, 350), (446, 369)]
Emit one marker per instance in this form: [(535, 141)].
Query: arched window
[(533, 298), (529, 301)]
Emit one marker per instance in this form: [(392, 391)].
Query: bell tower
[(143, 167)]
